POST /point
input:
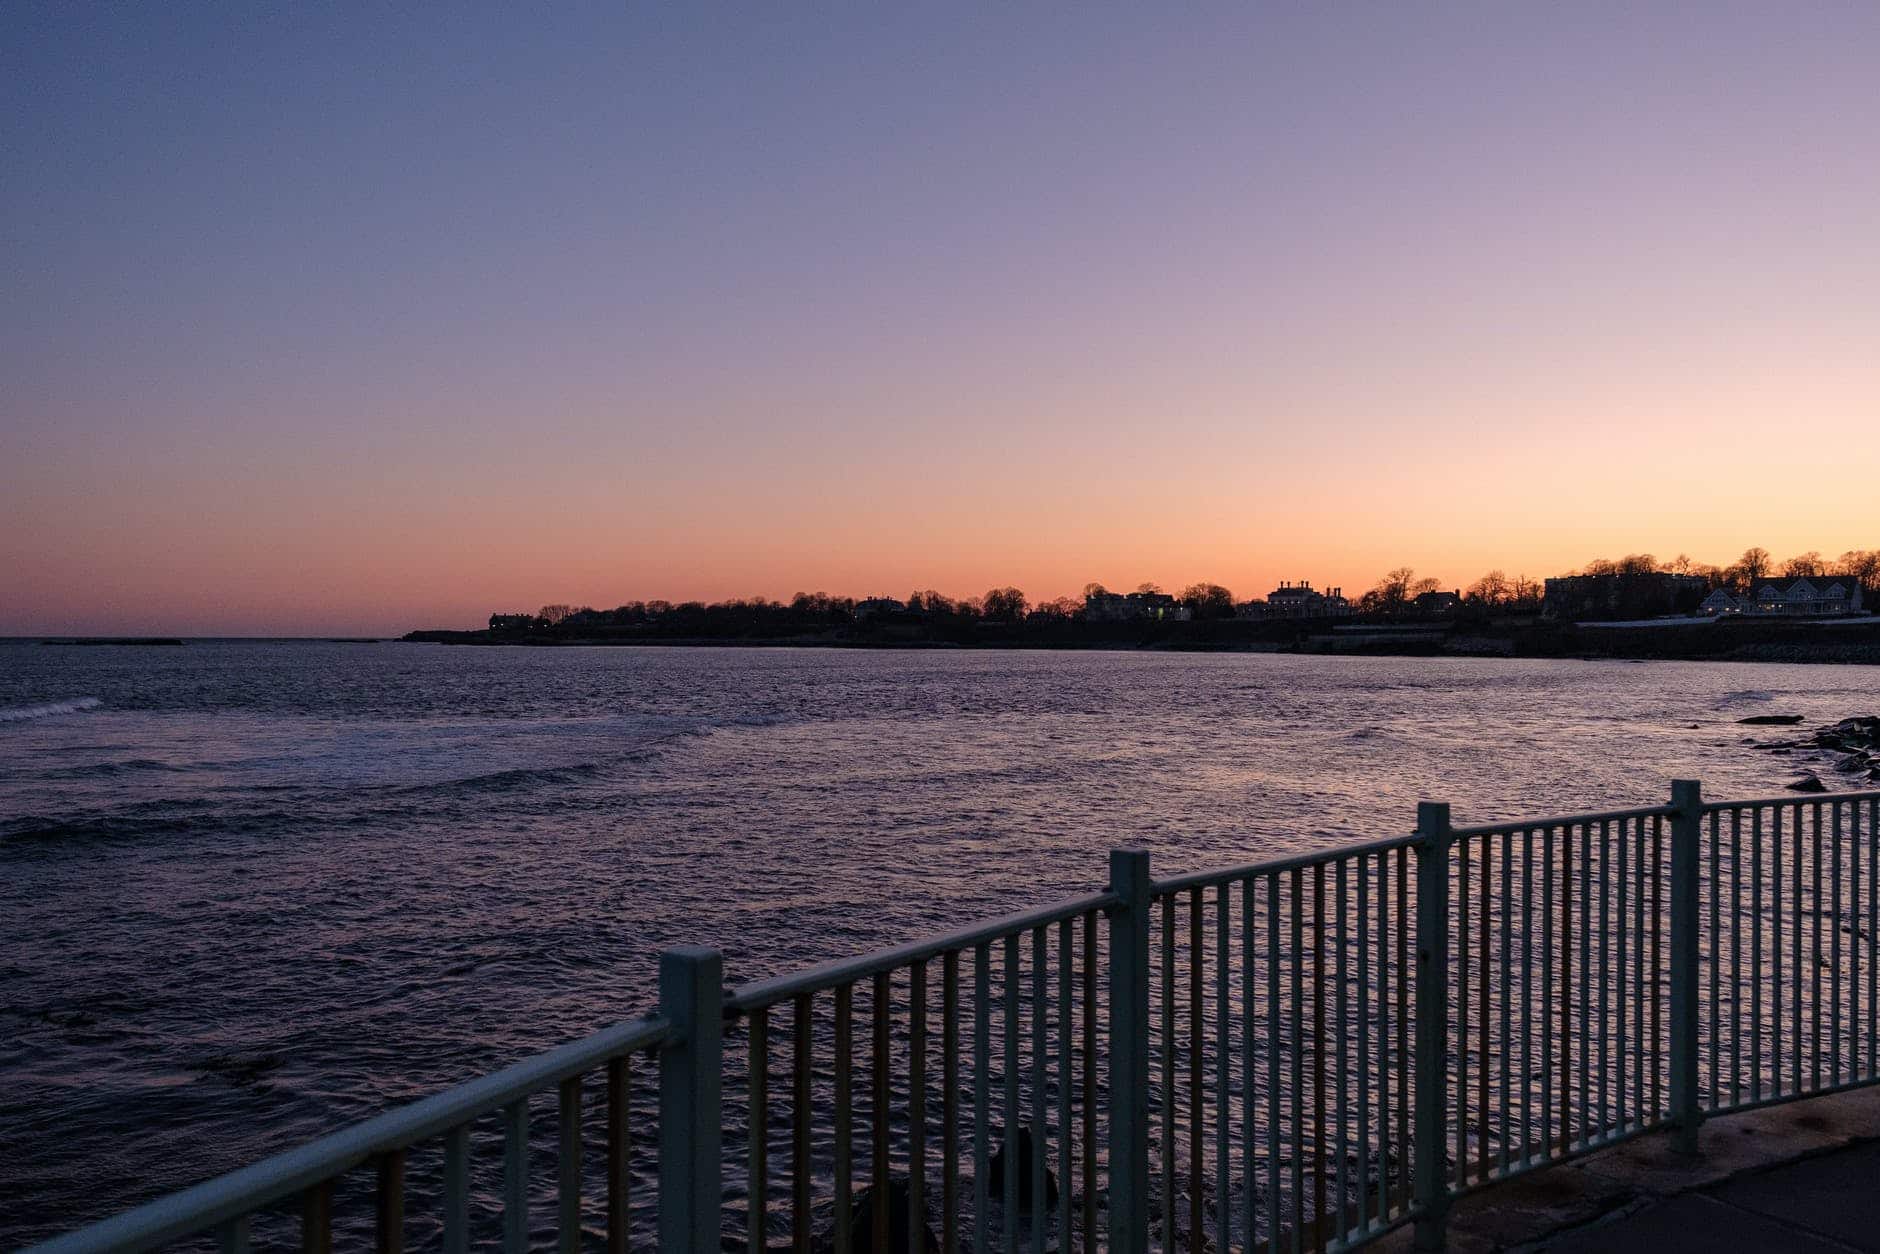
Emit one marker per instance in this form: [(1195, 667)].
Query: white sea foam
[(20, 713)]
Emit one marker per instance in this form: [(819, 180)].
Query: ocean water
[(250, 891)]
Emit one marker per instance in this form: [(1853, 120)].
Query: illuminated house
[(1113, 607), (1298, 600), (1805, 594)]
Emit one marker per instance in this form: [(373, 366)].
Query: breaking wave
[(20, 713)]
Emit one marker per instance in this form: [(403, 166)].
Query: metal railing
[(1300, 1054)]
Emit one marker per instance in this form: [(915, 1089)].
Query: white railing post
[(1129, 1051), (1429, 1187), (691, 998), (1688, 800)]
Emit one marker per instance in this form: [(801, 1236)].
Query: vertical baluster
[(1319, 985), (457, 1191), (1605, 974), (1683, 902), (1853, 943), (316, 1219), (1435, 839), (619, 1098), (516, 1177), (1622, 992), (1650, 1050), (1872, 844), (844, 1078), (1462, 1014), (1274, 1077), (1223, 1070), (1756, 956), (1796, 975), (1736, 957), (1363, 876), (389, 1224), (1196, 1037), (879, 1110), (1544, 991), (1506, 1054), (233, 1236), (1067, 1020), (1340, 1060), (1586, 976), (1168, 1073), (1631, 985), (1406, 961), (1296, 1033), (917, 1105), (1249, 1169), (1130, 922), (1009, 1214), (1385, 1028), (1814, 945), (982, 1090), (1834, 958), (1563, 1138), (802, 1171), (1522, 1137), (1656, 1042), (757, 1204), (1040, 1145), (568, 1166), (950, 1102), (1714, 958), (1090, 1083)]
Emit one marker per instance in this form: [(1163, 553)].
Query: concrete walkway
[(1801, 1178), (1827, 1203)]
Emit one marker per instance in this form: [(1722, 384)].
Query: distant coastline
[(1728, 640)]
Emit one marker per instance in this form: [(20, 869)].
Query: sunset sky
[(317, 322)]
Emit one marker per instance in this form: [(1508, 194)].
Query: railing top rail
[(1793, 799), (1564, 820), (1278, 866), (242, 1192), (817, 979)]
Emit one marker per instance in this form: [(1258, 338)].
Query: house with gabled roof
[(1803, 594)]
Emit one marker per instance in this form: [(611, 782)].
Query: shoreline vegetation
[(1635, 608), (1727, 640)]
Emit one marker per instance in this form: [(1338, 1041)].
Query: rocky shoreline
[(1849, 749)]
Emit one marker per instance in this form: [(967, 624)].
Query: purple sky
[(322, 322)]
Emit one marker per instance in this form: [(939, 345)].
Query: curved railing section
[(1298, 1054)]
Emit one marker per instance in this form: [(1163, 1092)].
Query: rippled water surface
[(251, 890)]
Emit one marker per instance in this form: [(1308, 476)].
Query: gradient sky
[(318, 322)]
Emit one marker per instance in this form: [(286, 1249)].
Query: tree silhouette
[(1863, 564), (1208, 600), (1754, 564), (1808, 563), (1490, 590), (1004, 605)]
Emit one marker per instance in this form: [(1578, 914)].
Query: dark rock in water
[(1808, 783), (996, 1186), (1851, 735), (900, 1220), (1853, 764), (1771, 720)]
